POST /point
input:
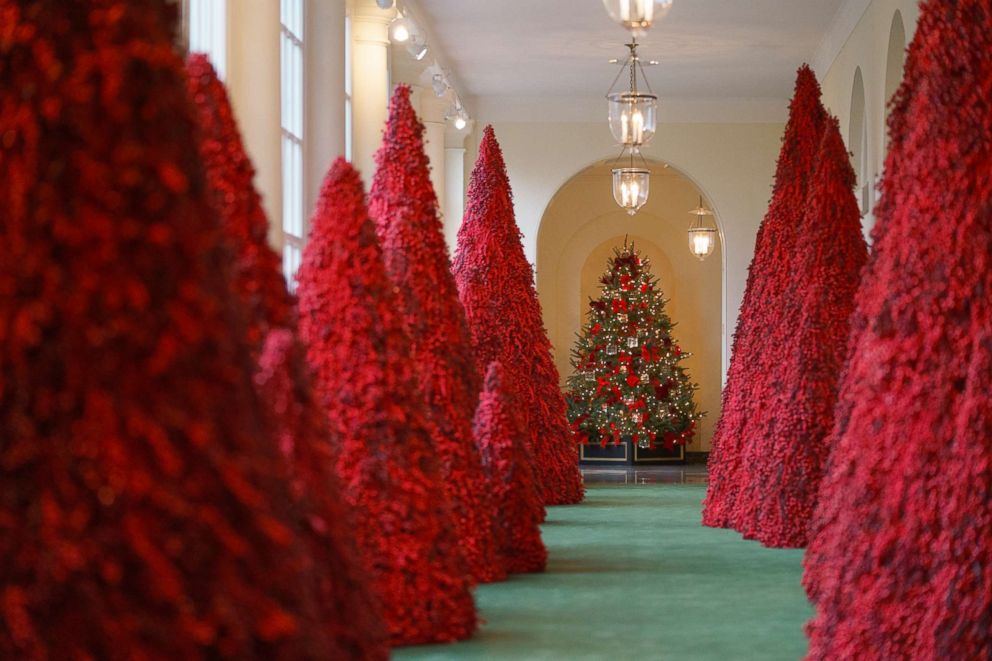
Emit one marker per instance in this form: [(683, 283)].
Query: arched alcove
[(857, 137), (894, 60), (579, 230)]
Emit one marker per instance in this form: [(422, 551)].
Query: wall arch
[(577, 232), (860, 151), (895, 59)]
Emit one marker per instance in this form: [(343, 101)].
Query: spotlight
[(439, 85), (400, 31), (417, 49)]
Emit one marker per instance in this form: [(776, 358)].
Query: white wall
[(859, 39)]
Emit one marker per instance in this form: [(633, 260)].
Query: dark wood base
[(628, 454)]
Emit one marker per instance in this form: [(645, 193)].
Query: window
[(208, 31), (347, 88), (291, 58)]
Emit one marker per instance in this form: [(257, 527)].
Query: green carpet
[(633, 575)]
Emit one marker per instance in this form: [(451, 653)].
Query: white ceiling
[(560, 48)]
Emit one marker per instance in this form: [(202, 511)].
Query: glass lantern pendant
[(702, 236), (633, 114), (637, 15), (630, 187)]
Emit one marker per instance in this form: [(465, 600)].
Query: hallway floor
[(633, 575)]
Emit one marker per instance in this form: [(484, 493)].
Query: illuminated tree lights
[(627, 382)]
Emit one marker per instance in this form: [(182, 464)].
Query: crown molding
[(846, 18)]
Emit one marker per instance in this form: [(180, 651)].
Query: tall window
[(208, 31), (291, 57)]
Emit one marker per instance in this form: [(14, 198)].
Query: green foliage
[(627, 381)]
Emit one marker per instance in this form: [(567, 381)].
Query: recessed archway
[(579, 230), (895, 59), (857, 138)]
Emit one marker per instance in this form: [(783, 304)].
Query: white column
[(431, 111), (370, 82), (454, 189), (253, 84), (325, 61)]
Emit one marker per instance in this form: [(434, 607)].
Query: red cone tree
[(282, 377), (258, 278), (404, 207), (511, 478), (352, 616), (143, 511), (785, 461), (351, 322), (900, 562), (496, 286), (768, 278)]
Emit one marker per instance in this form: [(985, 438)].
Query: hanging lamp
[(631, 184), (637, 15), (633, 113), (702, 235)]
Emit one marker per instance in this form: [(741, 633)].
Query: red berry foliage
[(258, 279), (352, 617), (496, 287), (900, 560), (404, 207), (785, 459), (384, 454), (769, 276), (143, 510), (511, 477), (282, 378)]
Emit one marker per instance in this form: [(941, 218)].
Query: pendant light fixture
[(702, 235), (633, 119), (637, 15), (633, 113)]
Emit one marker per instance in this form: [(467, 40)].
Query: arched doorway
[(579, 229), (895, 59), (857, 137)]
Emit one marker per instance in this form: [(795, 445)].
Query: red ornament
[(351, 322), (900, 559), (596, 328), (511, 477), (633, 380), (404, 207), (496, 286)]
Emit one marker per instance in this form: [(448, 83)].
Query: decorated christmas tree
[(352, 324), (899, 565), (785, 462), (144, 510), (770, 274), (404, 207), (628, 383), (496, 287), (511, 477)]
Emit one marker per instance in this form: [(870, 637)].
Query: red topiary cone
[(259, 282), (768, 277), (357, 346), (900, 561), (143, 511), (352, 617), (510, 477), (786, 460), (404, 207), (496, 286), (282, 377)]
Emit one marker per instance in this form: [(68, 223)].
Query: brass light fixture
[(637, 15), (702, 235)]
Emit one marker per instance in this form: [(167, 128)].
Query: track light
[(439, 85), (417, 49), (399, 29)]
